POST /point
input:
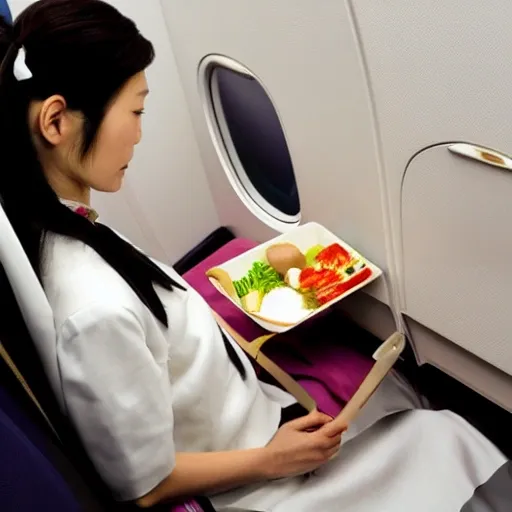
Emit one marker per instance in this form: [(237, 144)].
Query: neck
[(69, 189), (83, 196)]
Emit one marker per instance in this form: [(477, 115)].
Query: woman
[(164, 403)]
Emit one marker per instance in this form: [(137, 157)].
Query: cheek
[(125, 138), (104, 172), (114, 150), (117, 147)]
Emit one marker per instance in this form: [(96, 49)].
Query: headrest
[(5, 11), (32, 301)]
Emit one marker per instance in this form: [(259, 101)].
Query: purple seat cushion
[(29, 480), (312, 353)]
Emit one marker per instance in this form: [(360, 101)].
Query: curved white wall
[(361, 88), (440, 74), (306, 55)]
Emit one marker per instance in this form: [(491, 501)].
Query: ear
[(54, 120)]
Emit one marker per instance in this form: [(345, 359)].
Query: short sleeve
[(118, 397)]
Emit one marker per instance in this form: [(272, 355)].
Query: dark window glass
[(258, 138)]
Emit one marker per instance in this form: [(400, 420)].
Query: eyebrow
[(145, 92)]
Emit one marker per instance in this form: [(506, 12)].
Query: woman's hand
[(298, 447), (302, 445)]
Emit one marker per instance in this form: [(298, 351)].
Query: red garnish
[(311, 278), (334, 256), (325, 295), (328, 278)]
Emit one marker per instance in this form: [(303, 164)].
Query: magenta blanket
[(312, 353)]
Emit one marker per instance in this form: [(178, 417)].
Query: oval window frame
[(226, 151)]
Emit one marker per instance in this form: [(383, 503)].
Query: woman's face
[(119, 133), (60, 134)]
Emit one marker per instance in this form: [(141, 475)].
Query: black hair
[(86, 51)]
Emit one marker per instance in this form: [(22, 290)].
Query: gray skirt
[(398, 456)]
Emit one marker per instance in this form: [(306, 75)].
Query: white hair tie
[(21, 71)]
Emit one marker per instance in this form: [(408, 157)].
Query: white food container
[(304, 237)]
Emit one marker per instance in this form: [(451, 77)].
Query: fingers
[(333, 446), (328, 447), (313, 419), (332, 452), (327, 442), (333, 428)]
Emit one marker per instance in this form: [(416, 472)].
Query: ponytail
[(67, 42)]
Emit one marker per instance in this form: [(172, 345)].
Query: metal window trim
[(224, 146)]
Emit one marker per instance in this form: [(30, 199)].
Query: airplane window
[(254, 144)]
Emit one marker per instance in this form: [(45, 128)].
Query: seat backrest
[(27, 331), (5, 11), (28, 335), (37, 468), (29, 479), (33, 443)]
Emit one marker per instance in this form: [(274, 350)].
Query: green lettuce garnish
[(261, 277), (259, 280)]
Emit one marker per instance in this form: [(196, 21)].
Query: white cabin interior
[(264, 115)]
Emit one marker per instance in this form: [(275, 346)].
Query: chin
[(109, 188)]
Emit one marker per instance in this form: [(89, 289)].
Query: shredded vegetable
[(261, 278)]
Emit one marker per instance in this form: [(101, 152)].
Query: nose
[(138, 135)]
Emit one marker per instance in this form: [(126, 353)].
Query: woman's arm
[(205, 473), (295, 449), (121, 401)]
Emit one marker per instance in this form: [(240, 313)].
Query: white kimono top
[(138, 392)]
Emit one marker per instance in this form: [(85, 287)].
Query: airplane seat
[(27, 323), (29, 478), (5, 12), (36, 470), (18, 346), (66, 451)]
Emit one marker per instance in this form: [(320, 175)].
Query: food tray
[(303, 237)]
